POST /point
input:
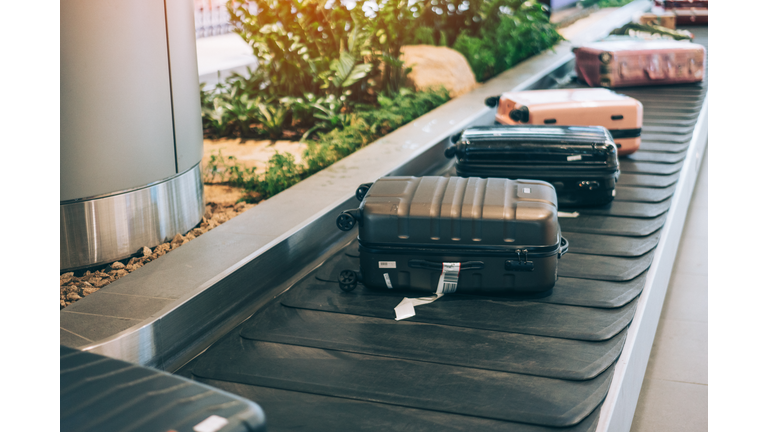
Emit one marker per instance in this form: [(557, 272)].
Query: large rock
[(434, 66)]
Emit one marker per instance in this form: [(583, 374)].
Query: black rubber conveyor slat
[(664, 147), (658, 157), (630, 166), (596, 224), (651, 128), (291, 411), (594, 293), (498, 314), (648, 180), (596, 244), (458, 346), (628, 209), (603, 267), (643, 194), (454, 389)]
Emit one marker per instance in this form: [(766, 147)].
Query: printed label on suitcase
[(449, 278), (387, 264), (574, 158)]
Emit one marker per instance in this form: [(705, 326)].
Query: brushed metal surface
[(108, 228)]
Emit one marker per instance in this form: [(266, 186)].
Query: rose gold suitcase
[(621, 115), (664, 19), (633, 62)]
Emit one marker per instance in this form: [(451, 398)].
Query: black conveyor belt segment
[(321, 359), (492, 350), (397, 381), (658, 157), (311, 412), (641, 194), (485, 313), (630, 209), (596, 244), (596, 224), (647, 180), (630, 166)]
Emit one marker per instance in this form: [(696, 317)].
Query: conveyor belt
[(321, 359)]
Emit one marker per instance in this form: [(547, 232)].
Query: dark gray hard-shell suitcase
[(581, 162), (446, 234), (98, 393)]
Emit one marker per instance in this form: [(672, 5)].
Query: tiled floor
[(675, 388)]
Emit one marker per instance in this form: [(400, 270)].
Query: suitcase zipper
[(625, 133), (524, 251)]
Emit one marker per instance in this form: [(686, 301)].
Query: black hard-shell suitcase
[(98, 393), (581, 162), (446, 234)]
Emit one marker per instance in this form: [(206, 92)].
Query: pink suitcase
[(633, 62), (621, 115)]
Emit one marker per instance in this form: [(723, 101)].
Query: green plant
[(511, 32), (605, 3), (272, 117)]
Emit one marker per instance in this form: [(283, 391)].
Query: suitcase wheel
[(346, 221), (492, 101), (347, 280), (521, 114), (362, 190)]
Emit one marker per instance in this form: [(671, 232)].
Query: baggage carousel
[(321, 359)]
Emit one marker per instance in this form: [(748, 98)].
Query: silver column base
[(104, 229)]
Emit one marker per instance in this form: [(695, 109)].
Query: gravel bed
[(81, 283)]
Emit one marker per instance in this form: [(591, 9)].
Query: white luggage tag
[(449, 280)]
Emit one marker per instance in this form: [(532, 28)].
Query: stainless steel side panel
[(113, 227)]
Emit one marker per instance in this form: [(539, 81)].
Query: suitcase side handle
[(563, 247), (438, 266)]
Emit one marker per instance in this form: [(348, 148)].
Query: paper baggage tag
[(567, 214), (211, 424), (449, 278)]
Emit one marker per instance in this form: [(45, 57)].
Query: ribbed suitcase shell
[(579, 161), (631, 62), (411, 225), (664, 19), (99, 393), (620, 114)]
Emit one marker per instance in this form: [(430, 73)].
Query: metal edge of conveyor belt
[(618, 409), (299, 248)]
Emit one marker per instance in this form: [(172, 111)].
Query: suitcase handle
[(563, 247), (655, 70), (432, 265)]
